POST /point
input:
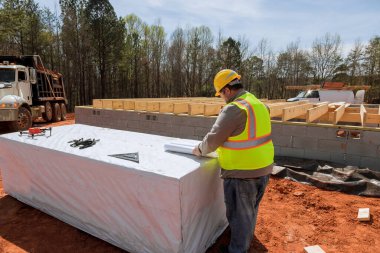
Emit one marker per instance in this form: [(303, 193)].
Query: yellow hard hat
[(223, 78)]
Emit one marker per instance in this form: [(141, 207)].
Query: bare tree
[(325, 57), (354, 63)]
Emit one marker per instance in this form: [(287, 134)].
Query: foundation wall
[(346, 145)]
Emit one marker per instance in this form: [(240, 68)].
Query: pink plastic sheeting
[(166, 203)]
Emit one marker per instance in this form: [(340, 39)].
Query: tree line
[(105, 56)]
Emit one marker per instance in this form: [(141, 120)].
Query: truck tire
[(56, 112), (48, 114), (63, 111), (24, 121)]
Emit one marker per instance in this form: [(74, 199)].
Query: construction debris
[(364, 214), (314, 249), (329, 176)]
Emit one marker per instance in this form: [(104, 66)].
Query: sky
[(280, 22)]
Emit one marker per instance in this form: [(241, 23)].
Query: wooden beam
[(107, 104), (276, 109), (97, 103), (274, 100), (117, 105), (363, 114), (337, 115), (372, 118), (140, 105), (181, 108), (212, 109), (129, 105), (196, 109), (152, 106), (316, 112), (166, 107), (351, 117), (295, 111)]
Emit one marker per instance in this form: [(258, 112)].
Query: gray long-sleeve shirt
[(230, 122)]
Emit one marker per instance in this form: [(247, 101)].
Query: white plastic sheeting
[(168, 202)]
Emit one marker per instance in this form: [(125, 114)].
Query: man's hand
[(197, 151)]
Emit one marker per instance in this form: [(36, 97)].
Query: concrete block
[(364, 214), (165, 118), (336, 145), (198, 121), (130, 115), (363, 149), (371, 137), (276, 129), (294, 130), (201, 131), (207, 122), (318, 132), (161, 127), (317, 155), (282, 140), (277, 151), (293, 152), (370, 162), (184, 120), (305, 142), (146, 116), (184, 130), (133, 124), (345, 159), (353, 159), (314, 249)]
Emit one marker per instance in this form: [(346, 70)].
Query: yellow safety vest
[(253, 148)]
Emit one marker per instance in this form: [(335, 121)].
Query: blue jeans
[(242, 198)]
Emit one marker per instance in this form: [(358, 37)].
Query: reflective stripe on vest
[(252, 141)]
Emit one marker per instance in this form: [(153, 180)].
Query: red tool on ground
[(36, 131)]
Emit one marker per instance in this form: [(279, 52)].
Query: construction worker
[(241, 136)]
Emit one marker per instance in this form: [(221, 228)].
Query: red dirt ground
[(291, 217)]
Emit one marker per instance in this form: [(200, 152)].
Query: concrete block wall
[(181, 126), (352, 146), (341, 144)]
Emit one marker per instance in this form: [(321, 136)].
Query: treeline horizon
[(104, 56)]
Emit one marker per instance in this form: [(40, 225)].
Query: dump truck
[(29, 91)]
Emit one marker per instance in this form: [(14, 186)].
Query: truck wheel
[(48, 114), (57, 113), (63, 111), (24, 121)]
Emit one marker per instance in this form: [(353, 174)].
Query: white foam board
[(168, 202)]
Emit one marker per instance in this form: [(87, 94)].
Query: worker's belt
[(250, 143)]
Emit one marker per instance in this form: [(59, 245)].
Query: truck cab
[(14, 80), (328, 95), (29, 91)]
